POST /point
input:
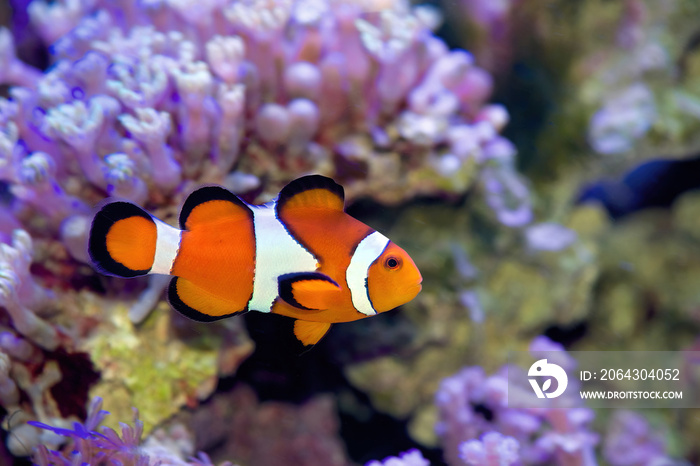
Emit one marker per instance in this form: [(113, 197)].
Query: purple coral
[(144, 100), (226, 85), (410, 458), (623, 119), (630, 440), (472, 403), (93, 444), (21, 295), (549, 237), (270, 432), (494, 449), (12, 70)]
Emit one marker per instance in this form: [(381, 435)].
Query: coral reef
[(504, 282), (471, 403), (492, 449), (248, 431), (631, 440), (626, 71), (147, 100), (93, 446), (166, 370), (409, 458)]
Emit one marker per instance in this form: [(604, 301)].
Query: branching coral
[(472, 403), (494, 449), (236, 426), (311, 86), (20, 295), (631, 440), (409, 458), (94, 445), (145, 101)]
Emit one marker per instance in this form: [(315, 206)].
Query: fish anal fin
[(308, 290), (309, 333), (211, 203), (311, 192), (197, 303)]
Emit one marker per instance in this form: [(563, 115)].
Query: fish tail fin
[(126, 241)]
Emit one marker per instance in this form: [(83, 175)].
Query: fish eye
[(392, 263)]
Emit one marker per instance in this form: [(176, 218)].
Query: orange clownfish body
[(299, 255)]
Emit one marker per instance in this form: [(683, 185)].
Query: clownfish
[(299, 255)]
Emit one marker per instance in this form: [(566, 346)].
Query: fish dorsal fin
[(309, 333), (311, 192), (311, 291), (211, 203)]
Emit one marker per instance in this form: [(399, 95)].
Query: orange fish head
[(393, 279)]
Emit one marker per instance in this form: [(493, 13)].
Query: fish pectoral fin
[(311, 291), (309, 333)]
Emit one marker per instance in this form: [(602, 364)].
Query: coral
[(471, 403), (630, 440), (178, 101), (187, 367), (32, 348), (249, 431), (93, 446), (409, 458), (492, 30), (493, 449), (626, 71), (48, 349), (600, 85), (146, 101), (632, 82), (21, 296), (622, 120), (477, 288), (12, 70), (646, 278)]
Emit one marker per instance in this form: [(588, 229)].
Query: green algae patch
[(148, 367)]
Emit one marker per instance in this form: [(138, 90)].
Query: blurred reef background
[(538, 159)]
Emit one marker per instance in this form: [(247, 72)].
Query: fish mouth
[(418, 285), (414, 290)]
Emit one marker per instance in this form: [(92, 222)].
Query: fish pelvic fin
[(310, 333)]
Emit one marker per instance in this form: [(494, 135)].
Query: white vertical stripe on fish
[(276, 253), (366, 252), (167, 245)]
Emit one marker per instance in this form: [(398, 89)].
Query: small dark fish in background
[(656, 183)]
